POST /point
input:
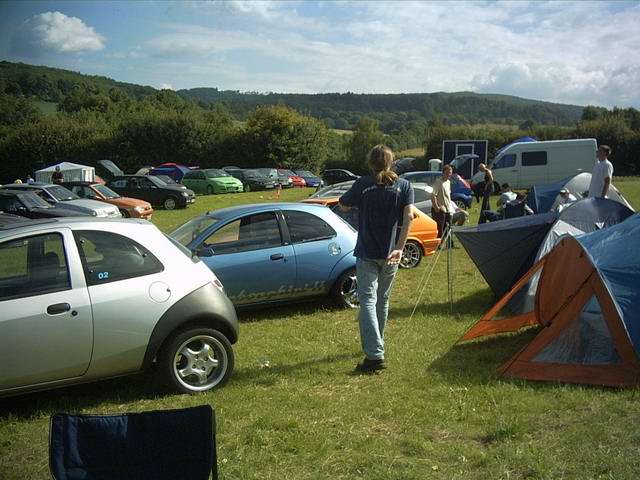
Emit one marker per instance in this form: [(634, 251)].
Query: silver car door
[(46, 329)]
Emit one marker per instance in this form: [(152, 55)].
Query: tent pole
[(450, 269)]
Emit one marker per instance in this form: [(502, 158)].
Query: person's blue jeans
[(375, 279)]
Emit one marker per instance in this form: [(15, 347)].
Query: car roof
[(71, 222), (240, 210)]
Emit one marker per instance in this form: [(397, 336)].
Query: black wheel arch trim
[(205, 307)]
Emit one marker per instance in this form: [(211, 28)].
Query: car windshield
[(158, 182), (61, 194), (106, 192), (305, 173), (183, 249), (252, 174), (166, 179), (215, 172), (336, 190), (191, 230), (31, 200), (268, 172)]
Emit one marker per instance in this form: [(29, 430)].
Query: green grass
[(438, 411)]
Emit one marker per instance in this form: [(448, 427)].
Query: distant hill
[(52, 84), (395, 112)]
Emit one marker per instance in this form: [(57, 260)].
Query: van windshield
[(506, 161)]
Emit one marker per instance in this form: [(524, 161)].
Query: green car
[(211, 180)]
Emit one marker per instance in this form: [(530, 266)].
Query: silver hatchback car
[(84, 299)]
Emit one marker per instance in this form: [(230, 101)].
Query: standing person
[(30, 180), (602, 173), (58, 176), (488, 187), (383, 201), (441, 205)]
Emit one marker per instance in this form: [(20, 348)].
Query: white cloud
[(166, 86), (54, 31)]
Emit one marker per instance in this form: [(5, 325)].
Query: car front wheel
[(196, 360), (169, 203), (461, 204), (345, 292), (209, 189), (411, 255)]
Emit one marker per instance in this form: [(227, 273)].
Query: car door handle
[(58, 308), (277, 256)]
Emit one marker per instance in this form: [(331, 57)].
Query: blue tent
[(541, 197), (519, 140), (587, 301), (504, 250)]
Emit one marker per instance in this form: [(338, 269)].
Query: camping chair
[(169, 444), (513, 210)]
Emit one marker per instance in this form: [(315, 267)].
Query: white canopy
[(71, 171)]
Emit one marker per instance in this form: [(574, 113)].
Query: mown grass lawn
[(294, 409)]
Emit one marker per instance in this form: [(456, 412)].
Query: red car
[(296, 180)]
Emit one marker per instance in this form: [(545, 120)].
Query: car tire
[(344, 291), (125, 214), (196, 360), (461, 204), (411, 255), (209, 190), (170, 203), (247, 187)]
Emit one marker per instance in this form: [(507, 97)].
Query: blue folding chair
[(157, 445)]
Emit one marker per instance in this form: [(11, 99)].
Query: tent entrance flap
[(502, 318)]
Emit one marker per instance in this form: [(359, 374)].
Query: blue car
[(461, 192), (276, 253), (310, 179)]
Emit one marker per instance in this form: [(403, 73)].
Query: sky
[(582, 53)]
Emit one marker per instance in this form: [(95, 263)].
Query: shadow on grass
[(104, 393), (264, 375), (475, 304), (476, 362)]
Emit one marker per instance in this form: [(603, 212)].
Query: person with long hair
[(384, 202)]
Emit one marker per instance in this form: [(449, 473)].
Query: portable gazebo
[(72, 172)]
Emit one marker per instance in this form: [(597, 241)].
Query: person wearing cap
[(58, 176), (565, 198)]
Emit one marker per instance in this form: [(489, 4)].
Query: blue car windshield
[(191, 230), (305, 173)]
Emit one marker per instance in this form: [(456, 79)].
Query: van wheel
[(169, 203), (196, 360)]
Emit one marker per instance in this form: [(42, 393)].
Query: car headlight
[(139, 209), (185, 194), (94, 213)]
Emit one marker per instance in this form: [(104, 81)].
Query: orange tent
[(587, 304)]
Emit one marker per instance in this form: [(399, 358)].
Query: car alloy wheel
[(247, 188), (169, 203), (345, 291), (411, 255), (461, 204), (209, 189), (197, 360)]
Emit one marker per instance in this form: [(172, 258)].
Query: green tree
[(366, 135)]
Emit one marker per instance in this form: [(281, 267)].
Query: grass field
[(294, 409)]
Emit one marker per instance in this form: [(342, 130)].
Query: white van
[(525, 164)]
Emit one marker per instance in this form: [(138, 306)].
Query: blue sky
[(572, 52)]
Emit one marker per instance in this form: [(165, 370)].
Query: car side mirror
[(204, 252)]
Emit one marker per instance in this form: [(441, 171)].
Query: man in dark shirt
[(58, 176), (383, 200)]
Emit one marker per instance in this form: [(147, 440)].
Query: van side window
[(534, 158), (506, 161)]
